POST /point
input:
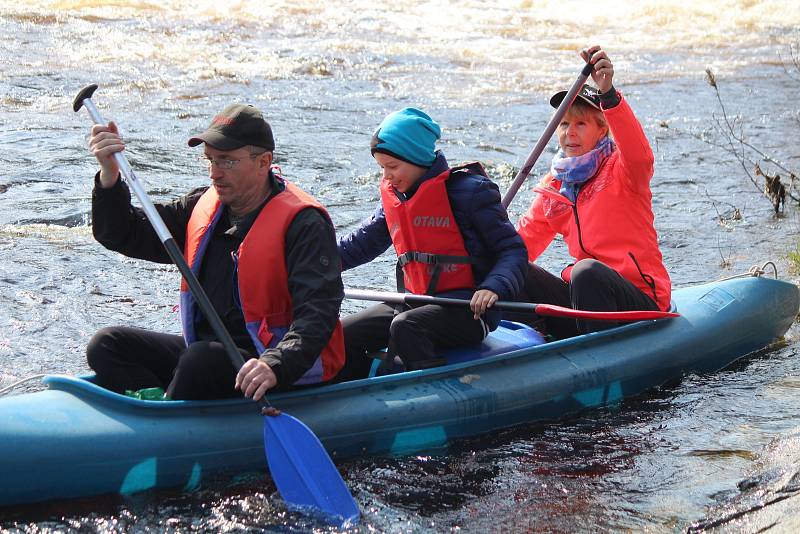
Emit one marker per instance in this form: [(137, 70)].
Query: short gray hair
[(256, 150)]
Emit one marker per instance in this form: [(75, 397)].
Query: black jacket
[(312, 263)]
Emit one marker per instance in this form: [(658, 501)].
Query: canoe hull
[(76, 439)]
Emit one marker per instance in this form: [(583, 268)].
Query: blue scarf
[(574, 171)]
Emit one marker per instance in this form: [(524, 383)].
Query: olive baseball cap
[(236, 126)]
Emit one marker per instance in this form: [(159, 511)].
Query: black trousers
[(132, 358), (413, 334), (593, 287)]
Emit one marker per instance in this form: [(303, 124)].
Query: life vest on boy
[(260, 270), (429, 245)]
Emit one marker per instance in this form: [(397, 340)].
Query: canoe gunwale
[(84, 386)]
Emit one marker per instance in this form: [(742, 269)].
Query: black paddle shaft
[(84, 99), (205, 304), (547, 134), (529, 307)]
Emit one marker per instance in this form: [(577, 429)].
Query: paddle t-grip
[(589, 67), (85, 93)]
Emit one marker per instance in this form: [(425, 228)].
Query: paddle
[(301, 468), (541, 309), (546, 135)]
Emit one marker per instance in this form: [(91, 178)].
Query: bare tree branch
[(734, 142), (794, 59)]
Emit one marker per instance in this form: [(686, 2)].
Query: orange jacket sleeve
[(635, 154)]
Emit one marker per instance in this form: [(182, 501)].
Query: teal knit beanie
[(409, 135)]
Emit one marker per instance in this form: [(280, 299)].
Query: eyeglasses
[(225, 164)]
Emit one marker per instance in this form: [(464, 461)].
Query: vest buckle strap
[(421, 257)]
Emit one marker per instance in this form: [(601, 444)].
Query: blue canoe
[(77, 439)]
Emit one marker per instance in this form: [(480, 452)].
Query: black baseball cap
[(588, 94), (236, 126)]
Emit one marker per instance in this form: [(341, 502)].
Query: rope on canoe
[(18, 382), (755, 270)]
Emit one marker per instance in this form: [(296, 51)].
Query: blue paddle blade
[(304, 473)]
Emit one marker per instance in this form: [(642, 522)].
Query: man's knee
[(195, 359), (201, 373), (98, 348)]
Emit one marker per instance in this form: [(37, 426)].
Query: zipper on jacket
[(578, 225), (237, 298), (649, 280)]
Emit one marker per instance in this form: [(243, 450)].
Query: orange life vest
[(261, 273), (429, 245)]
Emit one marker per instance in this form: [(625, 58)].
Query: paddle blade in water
[(304, 473)]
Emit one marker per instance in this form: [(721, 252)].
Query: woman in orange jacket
[(597, 196)]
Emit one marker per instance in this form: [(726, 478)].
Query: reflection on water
[(711, 452)]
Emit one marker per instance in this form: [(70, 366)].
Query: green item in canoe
[(154, 394)]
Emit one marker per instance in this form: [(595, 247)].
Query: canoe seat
[(509, 336)]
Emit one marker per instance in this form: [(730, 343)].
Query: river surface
[(715, 452)]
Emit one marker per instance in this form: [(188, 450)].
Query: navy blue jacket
[(488, 235)]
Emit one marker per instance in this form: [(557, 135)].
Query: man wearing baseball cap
[(264, 252)]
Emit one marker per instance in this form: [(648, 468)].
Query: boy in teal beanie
[(409, 135), (452, 237)]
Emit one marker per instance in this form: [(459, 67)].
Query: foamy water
[(484, 48)]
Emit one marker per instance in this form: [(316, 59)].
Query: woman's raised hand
[(603, 71)]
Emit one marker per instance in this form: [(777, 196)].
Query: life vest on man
[(429, 245), (262, 280)]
